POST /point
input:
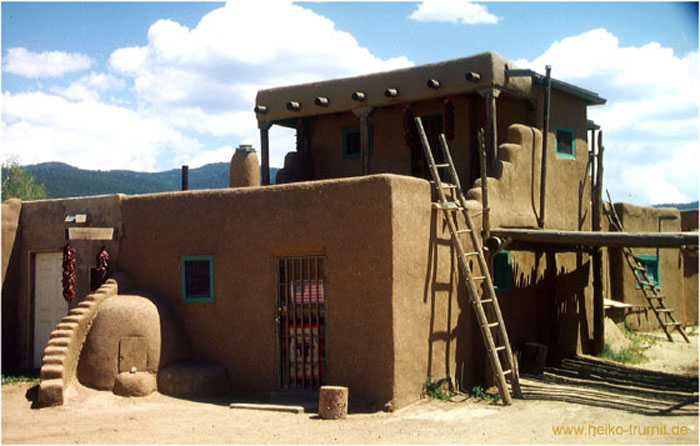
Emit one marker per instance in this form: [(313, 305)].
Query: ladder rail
[(484, 324)]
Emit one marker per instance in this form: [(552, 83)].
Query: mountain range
[(62, 180)]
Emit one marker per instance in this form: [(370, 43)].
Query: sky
[(153, 86)]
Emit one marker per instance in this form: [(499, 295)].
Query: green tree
[(18, 183)]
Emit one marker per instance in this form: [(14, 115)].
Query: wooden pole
[(486, 222), (363, 114), (609, 239), (265, 152), (598, 292), (545, 138)]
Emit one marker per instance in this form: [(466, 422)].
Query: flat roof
[(435, 80)]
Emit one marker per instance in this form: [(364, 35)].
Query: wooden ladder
[(493, 329), (656, 301)]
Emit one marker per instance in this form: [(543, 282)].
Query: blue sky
[(151, 86)]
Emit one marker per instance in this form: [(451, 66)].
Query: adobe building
[(673, 271), (343, 275)]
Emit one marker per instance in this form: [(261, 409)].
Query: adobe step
[(51, 392), (51, 371), (67, 326), (72, 318), (55, 350), (59, 342), (52, 359), (61, 333)]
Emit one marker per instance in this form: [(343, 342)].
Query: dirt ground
[(585, 400)]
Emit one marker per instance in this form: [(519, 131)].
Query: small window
[(197, 279), (651, 263), (351, 143), (501, 271), (566, 143)]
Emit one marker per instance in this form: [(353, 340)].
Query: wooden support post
[(490, 94), (265, 151), (545, 138), (363, 114), (486, 222), (598, 292)]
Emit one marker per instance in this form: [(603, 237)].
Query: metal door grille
[(301, 315)]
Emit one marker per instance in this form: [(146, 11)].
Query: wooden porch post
[(490, 94), (265, 151), (363, 114)]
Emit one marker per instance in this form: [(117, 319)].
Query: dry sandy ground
[(613, 409)]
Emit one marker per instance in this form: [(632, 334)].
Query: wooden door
[(49, 305)]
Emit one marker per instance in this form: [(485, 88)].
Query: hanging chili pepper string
[(68, 272), (102, 264)]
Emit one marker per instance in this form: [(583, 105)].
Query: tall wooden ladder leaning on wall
[(488, 312), (656, 301)]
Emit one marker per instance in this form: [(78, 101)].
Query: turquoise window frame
[(502, 269), (559, 153), (346, 132), (656, 277), (185, 297)]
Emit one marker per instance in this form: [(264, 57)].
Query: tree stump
[(533, 358), (333, 402)]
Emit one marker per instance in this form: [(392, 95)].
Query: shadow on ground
[(599, 383)]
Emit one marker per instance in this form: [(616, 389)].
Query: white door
[(49, 305)]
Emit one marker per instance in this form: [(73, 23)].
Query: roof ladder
[(487, 310), (648, 287)]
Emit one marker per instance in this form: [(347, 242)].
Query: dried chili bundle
[(102, 265), (68, 272)]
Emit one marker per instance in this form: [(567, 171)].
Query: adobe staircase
[(62, 352), (487, 310), (647, 286)]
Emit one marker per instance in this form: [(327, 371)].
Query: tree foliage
[(18, 183)]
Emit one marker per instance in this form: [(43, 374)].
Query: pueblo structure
[(342, 273)]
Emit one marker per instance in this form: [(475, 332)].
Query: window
[(566, 143), (651, 263), (351, 143), (501, 271), (197, 279)]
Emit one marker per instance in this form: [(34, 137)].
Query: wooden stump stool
[(333, 402)]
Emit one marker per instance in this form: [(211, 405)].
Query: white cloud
[(26, 63), (205, 78), (650, 122), (39, 127), (90, 87), (453, 11)]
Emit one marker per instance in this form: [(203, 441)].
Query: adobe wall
[(43, 229), (623, 285), (246, 230), (11, 210)]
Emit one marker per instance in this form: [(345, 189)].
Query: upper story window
[(197, 279), (565, 143), (352, 147)]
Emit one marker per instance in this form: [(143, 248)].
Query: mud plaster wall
[(246, 230), (689, 222), (623, 286), (10, 280), (390, 152), (43, 229)]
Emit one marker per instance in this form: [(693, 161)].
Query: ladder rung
[(644, 282), (664, 310), (471, 254), (462, 231), (478, 277), (639, 268), (442, 166), (449, 186), (449, 206), (486, 301), (506, 372), (677, 324), (492, 324), (660, 297), (498, 349)]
